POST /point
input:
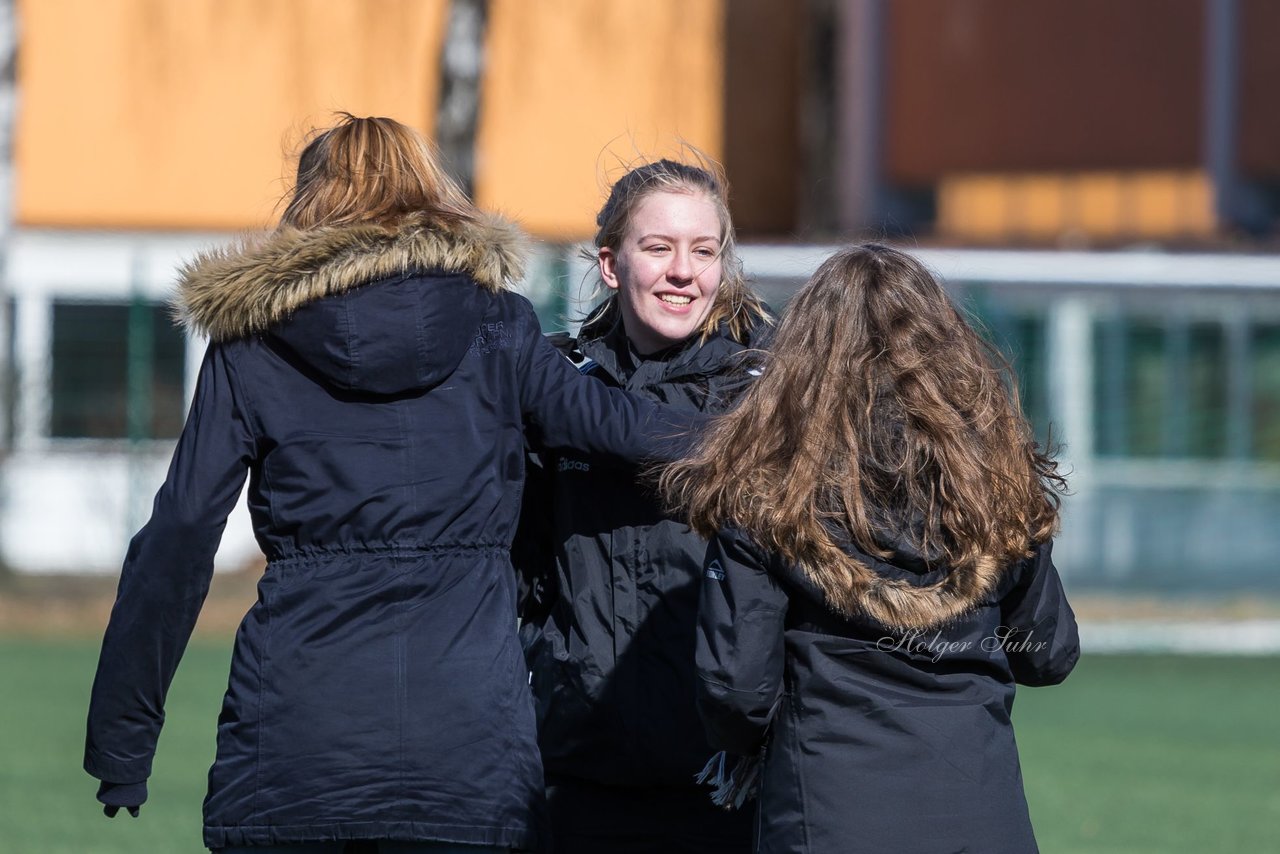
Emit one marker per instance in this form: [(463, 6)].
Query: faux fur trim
[(245, 288), (851, 587)]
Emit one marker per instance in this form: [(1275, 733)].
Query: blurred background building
[(1098, 182)]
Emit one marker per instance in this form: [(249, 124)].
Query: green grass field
[(1134, 755)]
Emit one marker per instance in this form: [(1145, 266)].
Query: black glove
[(113, 796)]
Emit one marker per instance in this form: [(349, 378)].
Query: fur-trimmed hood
[(248, 287), (907, 591), (383, 309), (905, 597)]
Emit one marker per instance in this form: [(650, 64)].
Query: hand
[(110, 812), (114, 796)]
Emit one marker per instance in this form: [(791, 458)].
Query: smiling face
[(666, 269)]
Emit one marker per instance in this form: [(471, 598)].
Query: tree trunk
[(461, 67)]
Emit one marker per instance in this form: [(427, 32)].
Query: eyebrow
[(671, 239)]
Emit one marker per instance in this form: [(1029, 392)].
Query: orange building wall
[(161, 114), (576, 89), (156, 114)]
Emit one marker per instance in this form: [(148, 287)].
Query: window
[(117, 371), (1025, 348), (1129, 386), (1164, 387), (1265, 389), (1204, 411), (1018, 332)]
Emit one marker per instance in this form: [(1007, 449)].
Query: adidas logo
[(573, 465)]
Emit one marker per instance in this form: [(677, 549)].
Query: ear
[(608, 263)]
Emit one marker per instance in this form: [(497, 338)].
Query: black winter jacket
[(374, 384), (612, 654), (878, 740)]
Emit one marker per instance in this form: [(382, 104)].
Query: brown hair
[(735, 304), (880, 409), (371, 169)]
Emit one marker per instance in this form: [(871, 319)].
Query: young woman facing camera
[(609, 632)]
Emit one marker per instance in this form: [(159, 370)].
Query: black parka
[(612, 653), (374, 384), (878, 739)]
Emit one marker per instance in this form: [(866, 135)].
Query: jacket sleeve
[(740, 653), (1041, 639), (574, 411), (166, 575)]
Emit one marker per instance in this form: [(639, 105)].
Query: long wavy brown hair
[(882, 418)]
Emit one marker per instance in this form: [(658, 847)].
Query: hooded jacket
[(611, 654), (374, 384), (876, 737)]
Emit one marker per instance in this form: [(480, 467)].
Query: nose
[(681, 269)]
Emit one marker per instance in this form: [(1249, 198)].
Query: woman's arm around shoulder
[(575, 411), (165, 578), (1043, 641), (740, 646)]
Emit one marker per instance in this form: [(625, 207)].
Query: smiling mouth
[(676, 299)]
